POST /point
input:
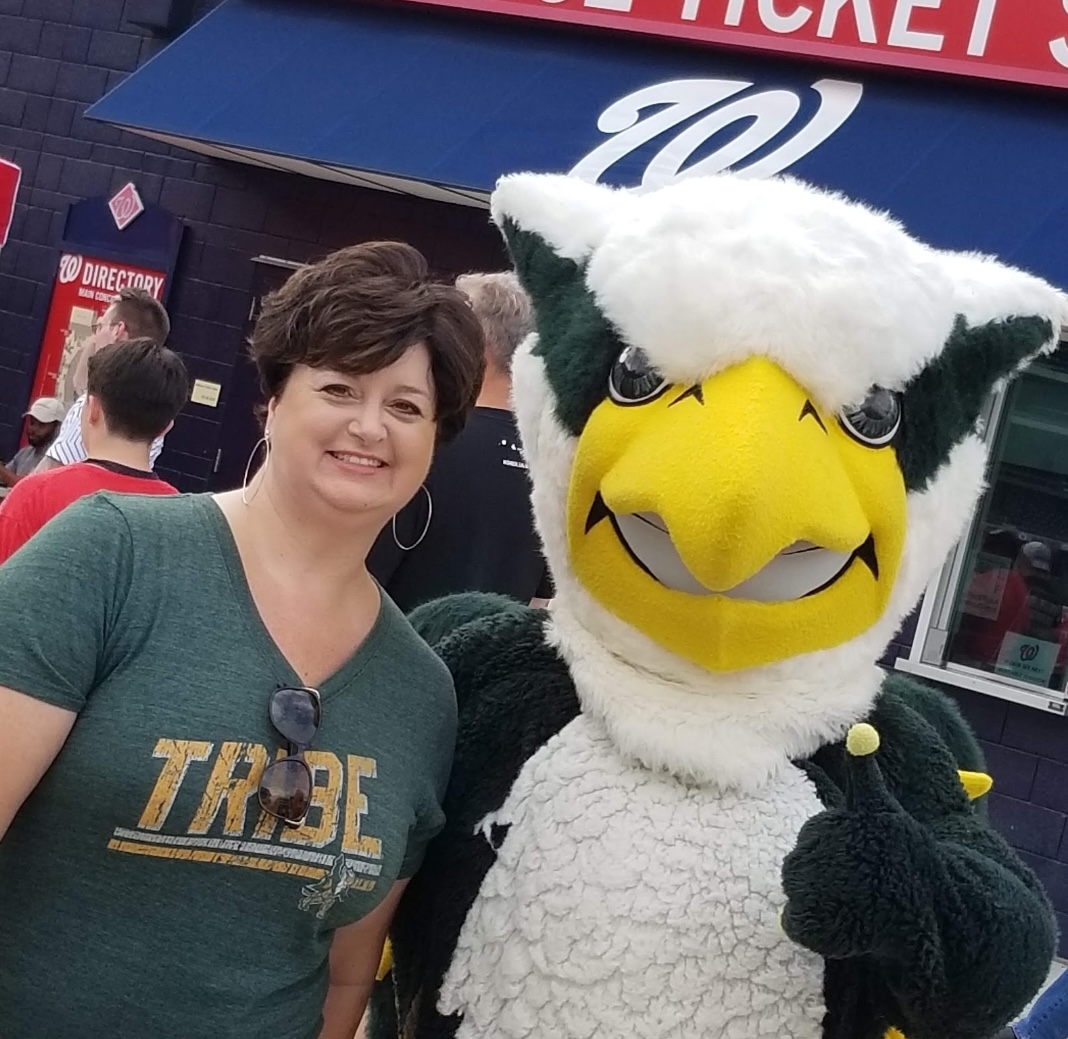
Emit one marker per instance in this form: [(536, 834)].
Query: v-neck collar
[(257, 629)]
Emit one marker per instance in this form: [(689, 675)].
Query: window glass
[(1010, 615)]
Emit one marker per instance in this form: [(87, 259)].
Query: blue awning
[(442, 105)]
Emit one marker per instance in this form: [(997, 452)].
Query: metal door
[(241, 429)]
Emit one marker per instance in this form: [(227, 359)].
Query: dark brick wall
[(1027, 754), (59, 56)]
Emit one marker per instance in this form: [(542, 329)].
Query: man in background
[(135, 390), (133, 314), (470, 527), (42, 424)]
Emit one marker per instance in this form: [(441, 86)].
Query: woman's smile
[(357, 463)]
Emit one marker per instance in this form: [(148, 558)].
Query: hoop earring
[(264, 441), (429, 515)]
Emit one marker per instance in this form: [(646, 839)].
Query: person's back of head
[(142, 315), (503, 309), (140, 386)]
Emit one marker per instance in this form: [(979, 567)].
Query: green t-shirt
[(142, 891)]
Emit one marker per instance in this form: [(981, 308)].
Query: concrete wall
[(59, 56)]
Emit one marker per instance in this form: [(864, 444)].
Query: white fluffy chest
[(624, 903)]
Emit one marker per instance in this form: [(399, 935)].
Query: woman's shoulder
[(146, 528), (123, 515), (125, 503), (143, 514)]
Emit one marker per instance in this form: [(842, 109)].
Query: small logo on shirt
[(514, 463)]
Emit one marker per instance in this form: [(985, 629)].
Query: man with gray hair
[(470, 528)]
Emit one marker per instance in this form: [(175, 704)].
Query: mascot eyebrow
[(943, 402), (576, 340), (687, 803)]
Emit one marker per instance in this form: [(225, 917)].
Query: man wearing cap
[(1044, 608), (42, 425)]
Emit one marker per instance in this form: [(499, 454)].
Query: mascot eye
[(633, 380), (876, 421)]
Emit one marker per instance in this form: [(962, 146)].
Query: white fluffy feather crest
[(709, 271)]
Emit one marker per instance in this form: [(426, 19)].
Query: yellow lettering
[(180, 754), (356, 807), (326, 798), (265, 827), (223, 785)]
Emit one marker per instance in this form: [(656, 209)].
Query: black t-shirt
[(480, 536)]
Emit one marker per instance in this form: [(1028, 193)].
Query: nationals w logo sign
[(765, 114), (70, 266)]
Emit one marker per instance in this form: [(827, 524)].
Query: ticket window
[(998, 615)]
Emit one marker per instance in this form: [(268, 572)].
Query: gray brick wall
[(59, 56)]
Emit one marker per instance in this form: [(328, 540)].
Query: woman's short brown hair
[(358, 310)]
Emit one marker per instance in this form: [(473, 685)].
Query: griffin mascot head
[(750, 414)]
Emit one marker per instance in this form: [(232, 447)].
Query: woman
[(222, 751)]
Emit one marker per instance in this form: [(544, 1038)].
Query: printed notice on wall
[(206, 393), (1027, 659)]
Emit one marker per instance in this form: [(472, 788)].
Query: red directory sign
[(1023, 41), (10, 175), (83, 288)]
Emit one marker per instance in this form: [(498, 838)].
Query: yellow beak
[(743, 467), (734, 521)]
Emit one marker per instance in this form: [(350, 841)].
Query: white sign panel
[(1027, 659)]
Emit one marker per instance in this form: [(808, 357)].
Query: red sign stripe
[(1021, 41)]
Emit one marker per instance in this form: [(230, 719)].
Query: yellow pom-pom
[(862, 740)]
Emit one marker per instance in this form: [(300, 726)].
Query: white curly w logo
[(768, 113), (70, 266)]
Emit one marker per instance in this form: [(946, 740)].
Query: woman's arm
[(31, 734), (354, 958)]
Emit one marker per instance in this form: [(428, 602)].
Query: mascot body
[(686, 802)]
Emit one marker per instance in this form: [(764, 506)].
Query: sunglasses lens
[(295, 714), (285, 789)]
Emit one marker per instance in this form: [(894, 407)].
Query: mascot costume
[(686, 801)]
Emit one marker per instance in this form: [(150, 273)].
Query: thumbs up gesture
[(918, 906), (856, 867)]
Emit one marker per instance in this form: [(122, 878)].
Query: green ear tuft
[(943, 403), (575, 340)]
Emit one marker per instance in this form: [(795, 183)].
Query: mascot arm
[(904, 877)]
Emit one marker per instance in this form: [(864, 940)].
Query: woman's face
[(358, 442)]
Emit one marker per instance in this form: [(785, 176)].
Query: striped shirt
[(68, 447)]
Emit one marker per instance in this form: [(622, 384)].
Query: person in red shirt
[(135, 390)]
